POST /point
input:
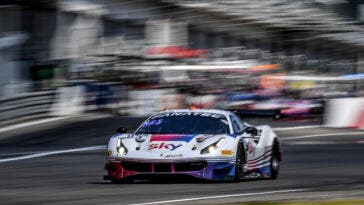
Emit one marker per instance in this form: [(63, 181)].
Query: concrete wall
[(160, 33), (10, 41), (76, 35)]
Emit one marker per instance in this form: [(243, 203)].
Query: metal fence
[(25, 107)]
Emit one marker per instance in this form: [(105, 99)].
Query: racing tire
[(275, 161), (239, 163)]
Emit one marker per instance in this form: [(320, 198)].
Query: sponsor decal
[(153, 122), (202, 114), (171, 137), (253, 175), (163, 145), (173, 155), (226, 152)]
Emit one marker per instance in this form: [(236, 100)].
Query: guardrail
[(26, 106)]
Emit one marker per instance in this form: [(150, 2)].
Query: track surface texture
[(318, 163)]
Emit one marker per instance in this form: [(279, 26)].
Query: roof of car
[(213, 111)]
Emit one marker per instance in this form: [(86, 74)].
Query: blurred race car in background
[(206, 144), (302, 108), (257, 105)]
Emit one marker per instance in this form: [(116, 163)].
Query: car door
[(250, 142)]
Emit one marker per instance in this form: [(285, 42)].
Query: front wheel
[(275, 161), (239, 163)]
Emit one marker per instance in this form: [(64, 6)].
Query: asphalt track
[(319, 163)]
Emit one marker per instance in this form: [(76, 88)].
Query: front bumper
[(210, 170)]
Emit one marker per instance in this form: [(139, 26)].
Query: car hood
[(168, 142), (172, 142)]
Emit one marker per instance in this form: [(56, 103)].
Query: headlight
[(120, 148), (211, 148)]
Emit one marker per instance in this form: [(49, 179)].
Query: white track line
[(43, 154), (221, 196), (295, 128), (323, 135), (315, 143), (18, 153)]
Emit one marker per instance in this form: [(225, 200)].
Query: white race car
[(207, 144)]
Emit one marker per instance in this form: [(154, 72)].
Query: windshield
[(185, 123)]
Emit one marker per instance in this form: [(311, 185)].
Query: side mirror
[(251, 130), (121, 130)]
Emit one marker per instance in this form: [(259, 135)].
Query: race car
[(206, 144)]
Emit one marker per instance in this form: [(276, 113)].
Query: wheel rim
[(275, 163)]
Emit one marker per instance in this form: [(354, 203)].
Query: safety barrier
[(69, 101), (345, 113), (25, 107)]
